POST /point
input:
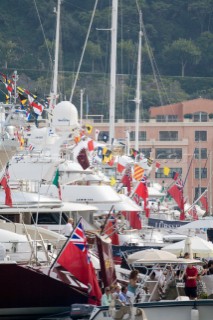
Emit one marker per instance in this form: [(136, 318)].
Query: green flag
[(56, 179)]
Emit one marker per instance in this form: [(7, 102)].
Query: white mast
[(54, 92), (138, 88), (113, 70)]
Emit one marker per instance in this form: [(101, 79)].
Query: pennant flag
[(112, 181), (108, 273), (90, 145), (204, 202), (138, 172), (135, 220), (166, 171), (177, 194), (111, 230), (83, 159), (89, 128), (76, 259), (56, 183), (157, 166), (142, 191), (5, 184), (175, 175)]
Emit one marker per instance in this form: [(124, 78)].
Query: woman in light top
[(132, 285), (106, 297)]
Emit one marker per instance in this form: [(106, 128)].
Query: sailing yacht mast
[(138, 88), (54, 92), (113, 70)]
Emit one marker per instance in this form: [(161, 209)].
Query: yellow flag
[(112, 181), (166, 171), (89, 128), (138, 172)]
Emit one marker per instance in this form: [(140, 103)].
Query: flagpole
[(64, 245), (107, 218)]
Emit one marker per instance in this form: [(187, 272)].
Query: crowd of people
[(192, 276)]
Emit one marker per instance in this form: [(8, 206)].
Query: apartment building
[(178, 136)]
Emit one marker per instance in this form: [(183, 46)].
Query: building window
[(160, 118), (168, 135), (200, 153), (132, 136), (168, 153), (200, 117), (146, 151), (198, 192), (167, 118), (160, 173), (142, 136), (200, 173), (200, 135), (172, 118)]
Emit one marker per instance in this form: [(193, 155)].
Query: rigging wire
[(42, 29), (83, 51)]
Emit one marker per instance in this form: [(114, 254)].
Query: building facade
[(178, 137)]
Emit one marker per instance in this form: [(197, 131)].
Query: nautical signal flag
[(90, 145), (150, 161), (133, 153), (138, 172), (22, 98), (112, 181), (83, 159), (157, 166), (121, 165), (112, 161), (76, 259), (166, 171), (89, 128), (175, 175)]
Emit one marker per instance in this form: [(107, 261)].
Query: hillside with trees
[(179, 34)]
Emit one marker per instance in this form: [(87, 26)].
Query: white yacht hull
[(170, 310)]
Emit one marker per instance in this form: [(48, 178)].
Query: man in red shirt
[(191, 274)]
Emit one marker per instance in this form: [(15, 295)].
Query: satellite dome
[(65, 114)]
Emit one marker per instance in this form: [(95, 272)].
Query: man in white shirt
[(68, 228)]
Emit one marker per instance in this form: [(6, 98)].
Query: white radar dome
[(65, 115)]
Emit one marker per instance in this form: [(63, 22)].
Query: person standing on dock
[(191, 274)]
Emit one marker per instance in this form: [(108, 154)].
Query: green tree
[(183, 52), (8, 52), (94, 52)]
